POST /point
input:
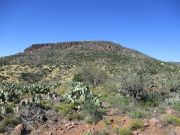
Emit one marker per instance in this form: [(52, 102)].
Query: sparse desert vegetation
[(95, 87)]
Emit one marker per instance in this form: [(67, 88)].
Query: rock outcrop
[(93, 45)]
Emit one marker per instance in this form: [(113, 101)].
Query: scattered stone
[(61, 123), (48, 133), (105, 105), (47, 126), (67, 125), (154, 122), (126, 120), (60, 128), (89, 132), (170, 111), (146, 123), (155, 111), (177, 130), (70, 127), (159, 125), (36, 132), (73, 123), (172, 133), (136, 132), (113, 112)]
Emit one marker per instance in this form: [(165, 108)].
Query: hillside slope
[(63, 59), (88, 87)]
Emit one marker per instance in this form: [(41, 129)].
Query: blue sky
[(150, 26)]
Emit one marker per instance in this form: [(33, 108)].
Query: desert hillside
[(67, 57), (88, 88)]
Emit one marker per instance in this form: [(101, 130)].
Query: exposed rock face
[(93, 45)]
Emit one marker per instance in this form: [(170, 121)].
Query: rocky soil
[(52, 124)]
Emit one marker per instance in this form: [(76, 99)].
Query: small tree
[(93, 75), (141, 87), (174, 82), (133, 86)]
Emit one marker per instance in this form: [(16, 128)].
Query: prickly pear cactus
[(13, 94), (79, 94)]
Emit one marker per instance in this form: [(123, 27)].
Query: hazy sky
[(150, 26)]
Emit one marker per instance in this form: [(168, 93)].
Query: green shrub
[(106, 122), (111, 84), (124, 131), (64, 108), (176, 105), (2, 128), (92, 112), (11, 121), (117, 101), (162, 110), (102, 132), (68, 111), (174, 82), (93, 74), (133, 85), (2, 78), (88, 133), (138, 114), (153, 99), (47, 104), (137, 124), (77, 78), (173, 120), (139, 86), (31, 77), (75, 116)]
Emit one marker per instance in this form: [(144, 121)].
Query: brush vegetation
[(82, 76)]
